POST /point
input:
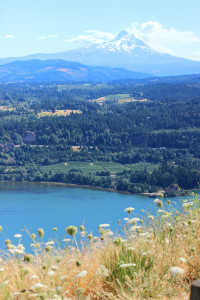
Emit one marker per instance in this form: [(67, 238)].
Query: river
[(33, 205)]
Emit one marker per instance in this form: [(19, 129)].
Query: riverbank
[(160, 193)]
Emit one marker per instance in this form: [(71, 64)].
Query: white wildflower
[(66, 240), (156, 200), (63, 277), (168, 213), (102, 271), (133, 221), (167, 241), (109, 233), (165, 216), (129, 209), (82, 274), (134, 228), (20, 247), (126, 219), (132, 237), (182, 259), (59, 289), (2, 269), (18, 251), (34, 277), (6, 282), (50, 243), (54, 268), (104, 225), (56, 297), (18, 235), (142, 234), (38, 286), (176, 271), (187, 204), (151, 217), (51, 273), (130, 248), (127, 265), (167, 224)]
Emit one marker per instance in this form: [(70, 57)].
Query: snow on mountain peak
[(124, 42), (120, 35)]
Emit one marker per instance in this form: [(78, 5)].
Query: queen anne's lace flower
[(129, 209), (127, 265), (104, 225), (82, 274), (175, 271)]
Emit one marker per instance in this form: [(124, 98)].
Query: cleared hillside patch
[(117, 98), (59, 113)]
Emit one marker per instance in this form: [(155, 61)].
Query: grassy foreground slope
[(156, 256)]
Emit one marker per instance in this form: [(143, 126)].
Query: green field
[(142, 166), (99, 166)]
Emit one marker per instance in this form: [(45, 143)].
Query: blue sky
[(33, 26)]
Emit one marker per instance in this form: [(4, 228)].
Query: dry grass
[(119, 98), (59, 113), (7, 108), (151, 245)]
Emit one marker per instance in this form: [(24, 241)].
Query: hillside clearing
[(59, 113)]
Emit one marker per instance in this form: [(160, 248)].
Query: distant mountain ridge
[(61, 70), (124, 51)]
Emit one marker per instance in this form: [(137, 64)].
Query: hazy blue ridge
[(60, 70)]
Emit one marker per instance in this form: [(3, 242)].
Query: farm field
[(142, 166), (117, 98), (7, 108), (99, 166), (59, 113)]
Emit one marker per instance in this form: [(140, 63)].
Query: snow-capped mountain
[(124, 42), (124, 51)]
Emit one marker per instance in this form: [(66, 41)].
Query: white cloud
[(91, 37), (157, 36), (154, 34), (160, 38), (52, 35), (9, 36), (44, 37)]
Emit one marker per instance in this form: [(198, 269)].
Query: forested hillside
[(129, 136)]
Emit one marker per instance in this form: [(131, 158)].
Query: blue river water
[(33, 205)]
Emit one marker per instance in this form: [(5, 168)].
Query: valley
[(135, 137)]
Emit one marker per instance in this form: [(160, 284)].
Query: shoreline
[(74, 185)]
